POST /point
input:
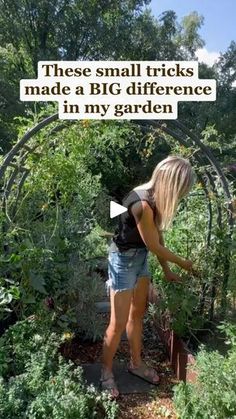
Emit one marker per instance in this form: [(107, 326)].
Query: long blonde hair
[(172, 179)]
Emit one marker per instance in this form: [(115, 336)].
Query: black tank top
[(127, 235)]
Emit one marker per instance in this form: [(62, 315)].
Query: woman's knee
[(117, 327), (136, 314), (120, 307)]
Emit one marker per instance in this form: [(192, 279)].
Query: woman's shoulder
[(140, 198), (135, 195), (141, 207), (143, 187)]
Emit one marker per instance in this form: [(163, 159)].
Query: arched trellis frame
[(203, 156)]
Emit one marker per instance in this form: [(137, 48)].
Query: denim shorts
[(125, 268)]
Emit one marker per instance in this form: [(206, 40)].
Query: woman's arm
[(144, 219), (163, 262), (169, 275)]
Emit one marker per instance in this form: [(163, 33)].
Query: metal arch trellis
[(199, 158), (19, 153), (174, 128), (182, 134)]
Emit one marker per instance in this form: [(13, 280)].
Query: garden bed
[(182, 353), (179, 354)]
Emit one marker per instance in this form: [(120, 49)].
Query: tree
[(77, 30), (190, 39), (66, 29)]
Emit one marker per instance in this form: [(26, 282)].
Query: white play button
[(116, 209)]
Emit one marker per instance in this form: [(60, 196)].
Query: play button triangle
[(116, 209)]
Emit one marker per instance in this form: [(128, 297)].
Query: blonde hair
[(172, 179)]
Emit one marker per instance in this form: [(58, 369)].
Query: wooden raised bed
[(179, 354)]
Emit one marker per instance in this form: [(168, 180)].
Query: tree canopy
[(103, 30)]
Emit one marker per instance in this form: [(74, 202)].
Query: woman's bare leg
[(134, 326), (120, 307)]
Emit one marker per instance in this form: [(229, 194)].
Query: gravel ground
[(157, 404)]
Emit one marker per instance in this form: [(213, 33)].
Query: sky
[(219, 27)]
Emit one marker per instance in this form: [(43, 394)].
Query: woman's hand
[(148, 231), (172, 277), (187, 265)]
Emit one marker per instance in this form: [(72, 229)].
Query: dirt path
[(155, 405)]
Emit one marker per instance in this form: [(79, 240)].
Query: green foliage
[(213, 395), (190, 304), (94, 30), (23, 340), (37, 383), (191, 40), (75, 301), (221, 115), (65, 396), (55, 228), (81, 30), (90, 30), (60, 395), (53, 242), (178, 305), (9, 291), (10, 74)]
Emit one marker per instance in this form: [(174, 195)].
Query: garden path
[(138, 399)]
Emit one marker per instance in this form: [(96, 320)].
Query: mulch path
[(155, 405)]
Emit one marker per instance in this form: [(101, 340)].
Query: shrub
[(75, 302), (42, 392), (44, 385), (213, 395), (190, 304), (53, 236), (24, 339)]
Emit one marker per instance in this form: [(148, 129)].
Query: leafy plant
[(9, 291), (38, 383), (188, 306), (22, 340), (75, 301), (213, 395), (53, 238)]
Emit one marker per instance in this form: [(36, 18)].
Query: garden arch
[(19, 153), (13, 171)]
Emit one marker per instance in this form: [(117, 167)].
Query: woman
[(150, 209)]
